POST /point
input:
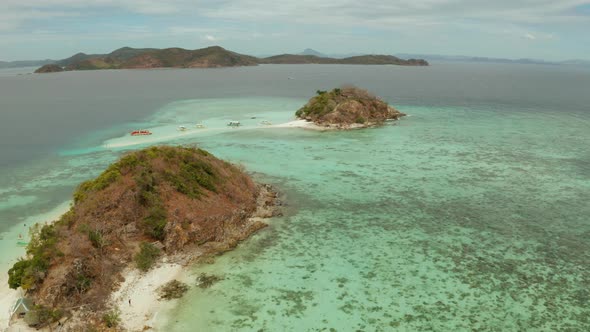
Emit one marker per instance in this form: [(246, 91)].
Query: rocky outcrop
[(347, 108)]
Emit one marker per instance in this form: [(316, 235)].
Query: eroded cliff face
[(173, 197), (347, 108)]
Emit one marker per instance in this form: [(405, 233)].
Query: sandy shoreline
[(140, 288), (300, 123)]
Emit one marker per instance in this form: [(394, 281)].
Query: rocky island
[(50, 68), (210, 57), (150, 206), (347, 108)]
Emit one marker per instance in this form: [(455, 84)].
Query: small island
[(152, 207), (49, 68), (347, 108)]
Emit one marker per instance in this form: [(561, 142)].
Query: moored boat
[(140, 132)]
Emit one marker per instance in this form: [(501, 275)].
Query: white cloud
[(371, 13), (412, 24), (529, 36)]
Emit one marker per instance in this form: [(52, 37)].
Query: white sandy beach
[(141, 288), (169, 133), (297, 124)]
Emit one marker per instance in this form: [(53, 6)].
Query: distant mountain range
[(354, 60), (463, 58), (24, 63), (215, 56), (457, 58)]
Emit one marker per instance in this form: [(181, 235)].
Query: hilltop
[(129, 58), (214, 56), (155, 202), (347, 108)]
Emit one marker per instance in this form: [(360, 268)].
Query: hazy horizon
[(327, 54)]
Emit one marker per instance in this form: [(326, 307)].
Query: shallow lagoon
[(426, 224), (469, 214)]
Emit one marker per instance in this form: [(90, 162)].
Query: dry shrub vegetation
[(176, 196)]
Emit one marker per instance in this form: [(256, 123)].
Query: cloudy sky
[(544, 29)]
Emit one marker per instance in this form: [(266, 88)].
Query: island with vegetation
[(151, 205), (353, 60), (49, 68), (210, 57), (348, 107)]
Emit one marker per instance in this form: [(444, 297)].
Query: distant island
[(49, 68), (354, 60), (150, 207), (122, 54), (347, 108), (210, 57)]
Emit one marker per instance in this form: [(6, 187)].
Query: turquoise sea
[(470, 214)]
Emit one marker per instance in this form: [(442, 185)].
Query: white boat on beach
[(182, 128)]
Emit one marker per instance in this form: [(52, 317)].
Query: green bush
[(102, 181), (26, 273), (360, 120), (97, 239), (83, 283), (146, 257), (111, 318), (17, 272), (156, 222), (41, 316)]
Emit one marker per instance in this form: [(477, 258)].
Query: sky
[(540, 29)]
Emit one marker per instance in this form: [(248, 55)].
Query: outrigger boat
[(140, 132), (182, 128), (234, 124), (265, 122), (199, 125)]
